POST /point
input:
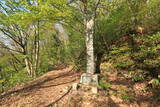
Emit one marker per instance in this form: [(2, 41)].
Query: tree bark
[(89, 45), (89, 21), (28, 67), (35, 56), (98, 62)]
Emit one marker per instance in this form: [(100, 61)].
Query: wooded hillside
[(99, 39)]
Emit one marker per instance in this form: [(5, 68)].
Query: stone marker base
[(88, 82), (89, 79), (84, 88)]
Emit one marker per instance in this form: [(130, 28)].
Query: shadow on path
[(54, 102), (38, 83)]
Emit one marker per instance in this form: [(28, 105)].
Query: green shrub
[(126, 94), (19, 78), (127, 98), (155, 83), (105, 85), (156, 97), (124, 62), (137, 75), (144, 63)]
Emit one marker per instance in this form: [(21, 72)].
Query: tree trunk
[(88, 77), (28, 67), (36, 51), (89, 46), (36, 58), (98, 62)]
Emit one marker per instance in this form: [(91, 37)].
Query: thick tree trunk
[(89, 46), (89, 78)]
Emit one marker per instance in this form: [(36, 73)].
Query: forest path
[(122, 92), (43, 91), (54, 89)]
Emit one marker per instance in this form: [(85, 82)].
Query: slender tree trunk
[(36, 51), (36, 58), (28, 66), (26, 60)]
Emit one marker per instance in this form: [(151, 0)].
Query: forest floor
[(54, 89)]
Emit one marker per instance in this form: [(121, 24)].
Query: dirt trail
[(41, 92), (126, 93), (122, 93), (54, 89)]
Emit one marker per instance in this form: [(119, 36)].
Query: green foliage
[(123, 61), (155, 83), (157, 97), (2, 81), (138, 75), (9, 77), (19, 78), (141, 64), (126, 94), (80, 99), (127, 98), (113, 21), (104, 84), (106, 67)]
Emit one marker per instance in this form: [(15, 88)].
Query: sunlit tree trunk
[(89, 24), (36, 52), (28, 67), (89, 20)]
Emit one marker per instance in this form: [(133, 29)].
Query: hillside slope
[(42, 91), (54, 89)]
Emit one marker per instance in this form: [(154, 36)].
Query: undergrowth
[(140, 59)]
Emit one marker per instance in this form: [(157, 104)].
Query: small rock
[(94, 90), (75, 86), (64, 89)]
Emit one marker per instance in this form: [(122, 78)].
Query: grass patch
[(104, 84)]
